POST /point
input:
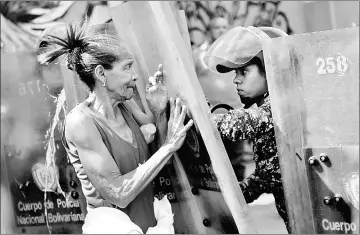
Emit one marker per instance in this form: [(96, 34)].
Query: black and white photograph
[(179, 117)]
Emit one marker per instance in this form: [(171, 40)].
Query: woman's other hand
[(148, 132), (156, 92), (176, 130)]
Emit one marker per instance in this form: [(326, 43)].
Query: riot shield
[(28, 92), (209, 199), (313, 82)]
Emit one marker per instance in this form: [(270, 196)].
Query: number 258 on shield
[(331, 65)]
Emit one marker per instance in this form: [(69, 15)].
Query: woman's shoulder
[(75, 116), (78, 125)]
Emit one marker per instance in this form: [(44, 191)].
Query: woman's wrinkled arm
[(102, 170), (161, 128)]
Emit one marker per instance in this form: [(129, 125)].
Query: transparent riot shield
[(313, 83), (208, 198), (28, 94)]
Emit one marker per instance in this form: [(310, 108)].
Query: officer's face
[(250, 81)]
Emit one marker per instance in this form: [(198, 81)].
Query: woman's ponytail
[(71, 45)]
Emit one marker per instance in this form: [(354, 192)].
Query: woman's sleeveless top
[(127, 158)]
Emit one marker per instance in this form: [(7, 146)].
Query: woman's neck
[(103, 104)]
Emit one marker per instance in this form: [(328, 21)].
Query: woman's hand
[(156, 92), (176, 130)]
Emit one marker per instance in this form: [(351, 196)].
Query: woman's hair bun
[(71, 44)]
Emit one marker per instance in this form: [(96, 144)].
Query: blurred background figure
[(218, 26), (23, 21), (267, 13), (282, 22)]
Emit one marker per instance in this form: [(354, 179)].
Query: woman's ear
[(100, 73)]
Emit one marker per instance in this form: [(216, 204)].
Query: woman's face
[(120, 80), (280, 23), (250, 82)]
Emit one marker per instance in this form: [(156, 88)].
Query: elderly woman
[(102, 135), (240, 50)]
